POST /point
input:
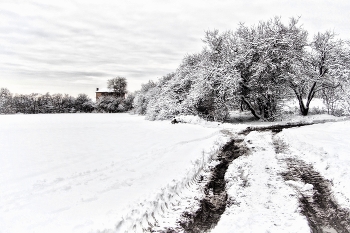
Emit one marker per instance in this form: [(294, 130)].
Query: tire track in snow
[(214, 202), (318, 205), (213, 205), (323, 215), (213, 199), (322, 212)]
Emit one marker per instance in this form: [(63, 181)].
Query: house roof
[(105, 90)]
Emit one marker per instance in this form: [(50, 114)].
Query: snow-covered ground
[(119, 172), (261, 200), (84, 172)]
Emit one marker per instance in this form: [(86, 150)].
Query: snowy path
[(272, 189), (268, 189)]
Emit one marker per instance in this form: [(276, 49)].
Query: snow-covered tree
[(128, 102), (68, 103), (45, 103), (345, 96), (204, 84), (5, 101), (266, 53), (110, 104), (34, 104), (142, 97), (215, 83), (257, 68), (20, 103), (321, 70), (118, 85), (83, 103)]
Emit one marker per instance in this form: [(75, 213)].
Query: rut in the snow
[(213, 205), (323, 214), (321, 210)]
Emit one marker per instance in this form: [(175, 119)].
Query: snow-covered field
[(84, 172), (118, 172)]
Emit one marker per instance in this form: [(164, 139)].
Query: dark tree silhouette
[(118, 85)]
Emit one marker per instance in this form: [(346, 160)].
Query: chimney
[(97, 89)]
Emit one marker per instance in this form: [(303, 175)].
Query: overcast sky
[(77, 45)]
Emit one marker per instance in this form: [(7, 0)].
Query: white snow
[(119, 172), (260, 200), (84, 172)]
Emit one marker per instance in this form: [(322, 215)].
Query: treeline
[(37, 103), (114, 104), (256, 68), (59, 103)]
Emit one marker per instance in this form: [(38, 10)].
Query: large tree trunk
[(304, 108), (251, 108)]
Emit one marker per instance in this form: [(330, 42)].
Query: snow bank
[(85, 172)]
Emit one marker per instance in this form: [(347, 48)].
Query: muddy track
[(321, 210), (272, 128), (213, 205), (323, 215)]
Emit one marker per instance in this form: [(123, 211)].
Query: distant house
[(103, 92), (100, 92)]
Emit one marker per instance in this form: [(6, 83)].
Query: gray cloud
[(75, 46)]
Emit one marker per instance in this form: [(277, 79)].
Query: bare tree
[(118, 85)]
